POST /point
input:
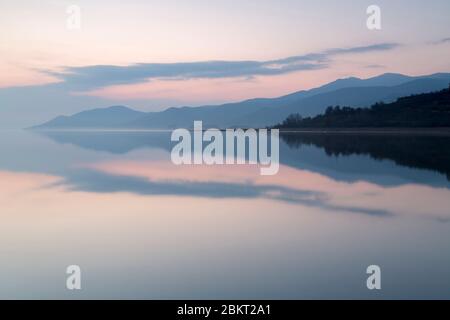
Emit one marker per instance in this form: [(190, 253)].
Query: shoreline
[(372, 131), (375, 131)]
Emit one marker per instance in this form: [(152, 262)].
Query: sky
[(151, 55)]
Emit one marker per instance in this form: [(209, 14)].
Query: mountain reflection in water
[(414, 151), (114, 203)]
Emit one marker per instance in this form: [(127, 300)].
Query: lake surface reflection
[(141, 227)]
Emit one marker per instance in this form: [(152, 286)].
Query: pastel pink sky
[(34, 37)]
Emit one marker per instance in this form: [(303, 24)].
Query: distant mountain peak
[(109, 117), (118, 108), (393, 74)]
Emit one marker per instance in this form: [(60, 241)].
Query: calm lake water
[(140, 227)]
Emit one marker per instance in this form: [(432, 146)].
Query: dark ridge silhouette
[(428, 110), (413, 151)]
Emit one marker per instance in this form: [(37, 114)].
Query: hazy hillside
[(355, 97), (354, 92), (110, 117)]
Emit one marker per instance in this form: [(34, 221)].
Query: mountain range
[(260, 112), (425, 110)]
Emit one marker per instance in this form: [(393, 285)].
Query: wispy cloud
[(442, 41), (97, 76), (375, 66)]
